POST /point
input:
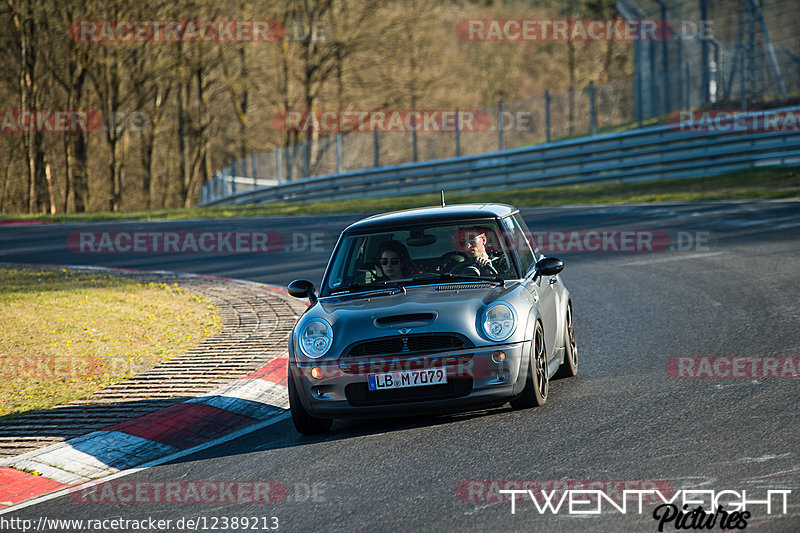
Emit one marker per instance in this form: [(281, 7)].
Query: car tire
[(569, 368), (304, 422), (537, 383)]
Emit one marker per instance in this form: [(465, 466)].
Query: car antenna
[(442, 197)]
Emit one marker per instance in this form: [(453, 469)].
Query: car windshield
[(418, 254)]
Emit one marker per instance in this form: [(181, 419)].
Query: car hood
[(452, 308)]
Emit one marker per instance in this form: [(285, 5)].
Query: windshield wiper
[(363, 287)]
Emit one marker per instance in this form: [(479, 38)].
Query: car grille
[(427, 343), (358, 394)]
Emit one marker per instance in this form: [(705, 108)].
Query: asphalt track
[(728, 285)]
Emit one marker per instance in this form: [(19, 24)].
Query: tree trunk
[(78, 155), (182, 155), (75, 153), (5, 177), (28, 99), (50, 192)]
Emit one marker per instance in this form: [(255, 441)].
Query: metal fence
[(661, 152), (510, 124), (733, 54)]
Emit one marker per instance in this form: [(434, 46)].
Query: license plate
[(407, 378)]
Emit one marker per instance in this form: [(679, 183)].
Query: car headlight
[(316, 338), (499, 321)]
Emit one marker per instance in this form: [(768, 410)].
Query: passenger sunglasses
[(394, 260)]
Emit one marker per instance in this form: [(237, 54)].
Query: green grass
[(755, 184), (64, 336)]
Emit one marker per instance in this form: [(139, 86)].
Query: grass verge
[(752, 184), (64, 336)]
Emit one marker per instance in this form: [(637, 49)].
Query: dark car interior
[(433, 250)]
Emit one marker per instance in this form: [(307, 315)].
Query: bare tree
[(25, 27), (71, 71)]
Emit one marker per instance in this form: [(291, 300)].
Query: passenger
[(394, 260)]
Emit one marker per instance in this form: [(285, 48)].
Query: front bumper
[(473, 380)]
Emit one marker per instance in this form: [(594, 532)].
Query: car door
[(542, 289)]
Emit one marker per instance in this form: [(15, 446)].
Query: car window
[(519, 234), (422, 251)]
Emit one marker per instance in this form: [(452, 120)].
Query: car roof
[(432, 214)]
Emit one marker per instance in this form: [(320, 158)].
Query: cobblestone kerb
[(257, 320)]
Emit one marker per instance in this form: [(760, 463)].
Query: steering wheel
[(450, 260), (471, 266)]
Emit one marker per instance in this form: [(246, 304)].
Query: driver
[(472, 242)]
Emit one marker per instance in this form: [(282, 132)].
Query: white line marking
[(768, 457), (670, 259), (225, 438)]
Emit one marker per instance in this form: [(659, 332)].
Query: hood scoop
[(409, 320)]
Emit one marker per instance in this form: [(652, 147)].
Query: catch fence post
[(547, 114), (592, 111), (500, 140)]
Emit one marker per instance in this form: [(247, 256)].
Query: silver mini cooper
[(430, 310)]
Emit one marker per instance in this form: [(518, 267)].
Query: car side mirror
[(549, 266), (302, 288)]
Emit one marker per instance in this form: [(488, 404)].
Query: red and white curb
[(244, 405), (183, 427)]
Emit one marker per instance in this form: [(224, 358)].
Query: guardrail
[(661, 152)]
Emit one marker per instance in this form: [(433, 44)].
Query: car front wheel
[(537, 383), (304, 422)]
